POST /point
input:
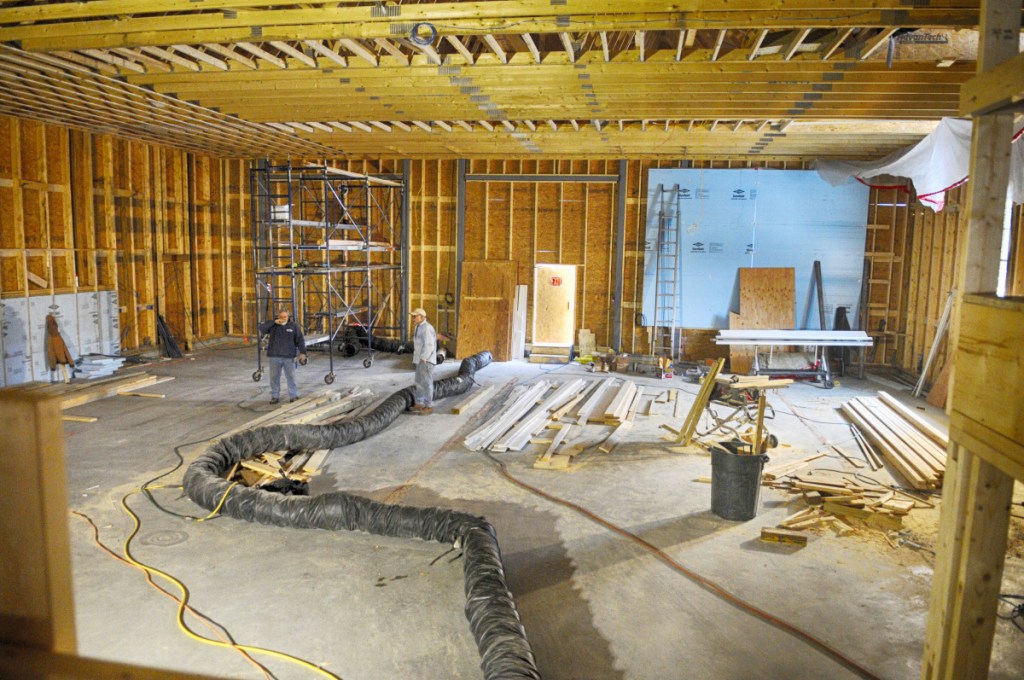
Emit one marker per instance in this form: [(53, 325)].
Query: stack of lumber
[(77, 394), (537, 419), (916, 449), (836, 498), (623, 404), (93, 366), (564, 408)]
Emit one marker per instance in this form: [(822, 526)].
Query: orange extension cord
[(706, 583)]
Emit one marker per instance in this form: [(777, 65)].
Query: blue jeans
[(424, 390), (276, 364)]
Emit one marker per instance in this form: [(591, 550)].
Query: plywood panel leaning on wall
[(767, 301), (485, 308)]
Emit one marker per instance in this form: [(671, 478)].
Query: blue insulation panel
[(729, 219)]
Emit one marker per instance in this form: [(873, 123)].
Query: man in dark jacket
[(285, 342)]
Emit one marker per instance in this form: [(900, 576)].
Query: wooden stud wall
[(84, 212), (169, 230)]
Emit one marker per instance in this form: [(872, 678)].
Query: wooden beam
[(757, 44), (604, 46), (460, 47), (201, 56), (167, 55), (227, 52), (871, 45), (1001, 88), (137, 55), (378, 124), (360, 50), (325, 51), (567, 45), (294, 53), (443, 125), (344, 127), (114, 60), (258, 51), (798, 38), (496, 48), (641, 38), (718, 45), (393, 50), (532, 46), (36, 600), (829, 47)]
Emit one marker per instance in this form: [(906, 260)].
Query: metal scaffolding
[(327, 245)]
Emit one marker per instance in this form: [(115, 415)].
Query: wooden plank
[(473, 399), (516, 438), (483, 436), (36, 599), (593, 401), (615, 438), (774, 535)]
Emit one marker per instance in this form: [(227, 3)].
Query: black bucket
[(735, 484)]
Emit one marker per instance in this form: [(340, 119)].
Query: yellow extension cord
[(183, 599)]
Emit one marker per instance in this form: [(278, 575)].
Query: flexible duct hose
[(490, 609)]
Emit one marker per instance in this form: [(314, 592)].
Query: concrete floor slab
[(595, 605)]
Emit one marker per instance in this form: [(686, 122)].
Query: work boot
[(424, 411), (415, 408), (274, 400), (293, 399)]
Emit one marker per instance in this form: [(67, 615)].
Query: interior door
[(554, 304)]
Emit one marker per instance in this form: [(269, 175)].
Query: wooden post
[(976, 494), (36, 604)]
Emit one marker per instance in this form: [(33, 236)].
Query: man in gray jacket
[(424, 357), (284, 344)]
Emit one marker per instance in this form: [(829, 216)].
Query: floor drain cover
[(164, 538)]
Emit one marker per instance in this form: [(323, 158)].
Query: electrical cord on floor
[(1016, 615), (148, 486), (702, 581), (259, 391), (218, 630), (184, 596)]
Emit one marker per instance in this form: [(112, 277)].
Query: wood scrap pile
[(283, 468), (916, 449), (843, 500)]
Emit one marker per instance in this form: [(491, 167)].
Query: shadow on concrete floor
[(558, 621)]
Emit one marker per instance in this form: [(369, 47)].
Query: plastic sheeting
[(490, 609), (937, 163)]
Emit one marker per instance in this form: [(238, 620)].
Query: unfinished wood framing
[(987, 345), (82, 212)]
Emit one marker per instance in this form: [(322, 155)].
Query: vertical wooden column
[(36, 604), (976, 494)]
